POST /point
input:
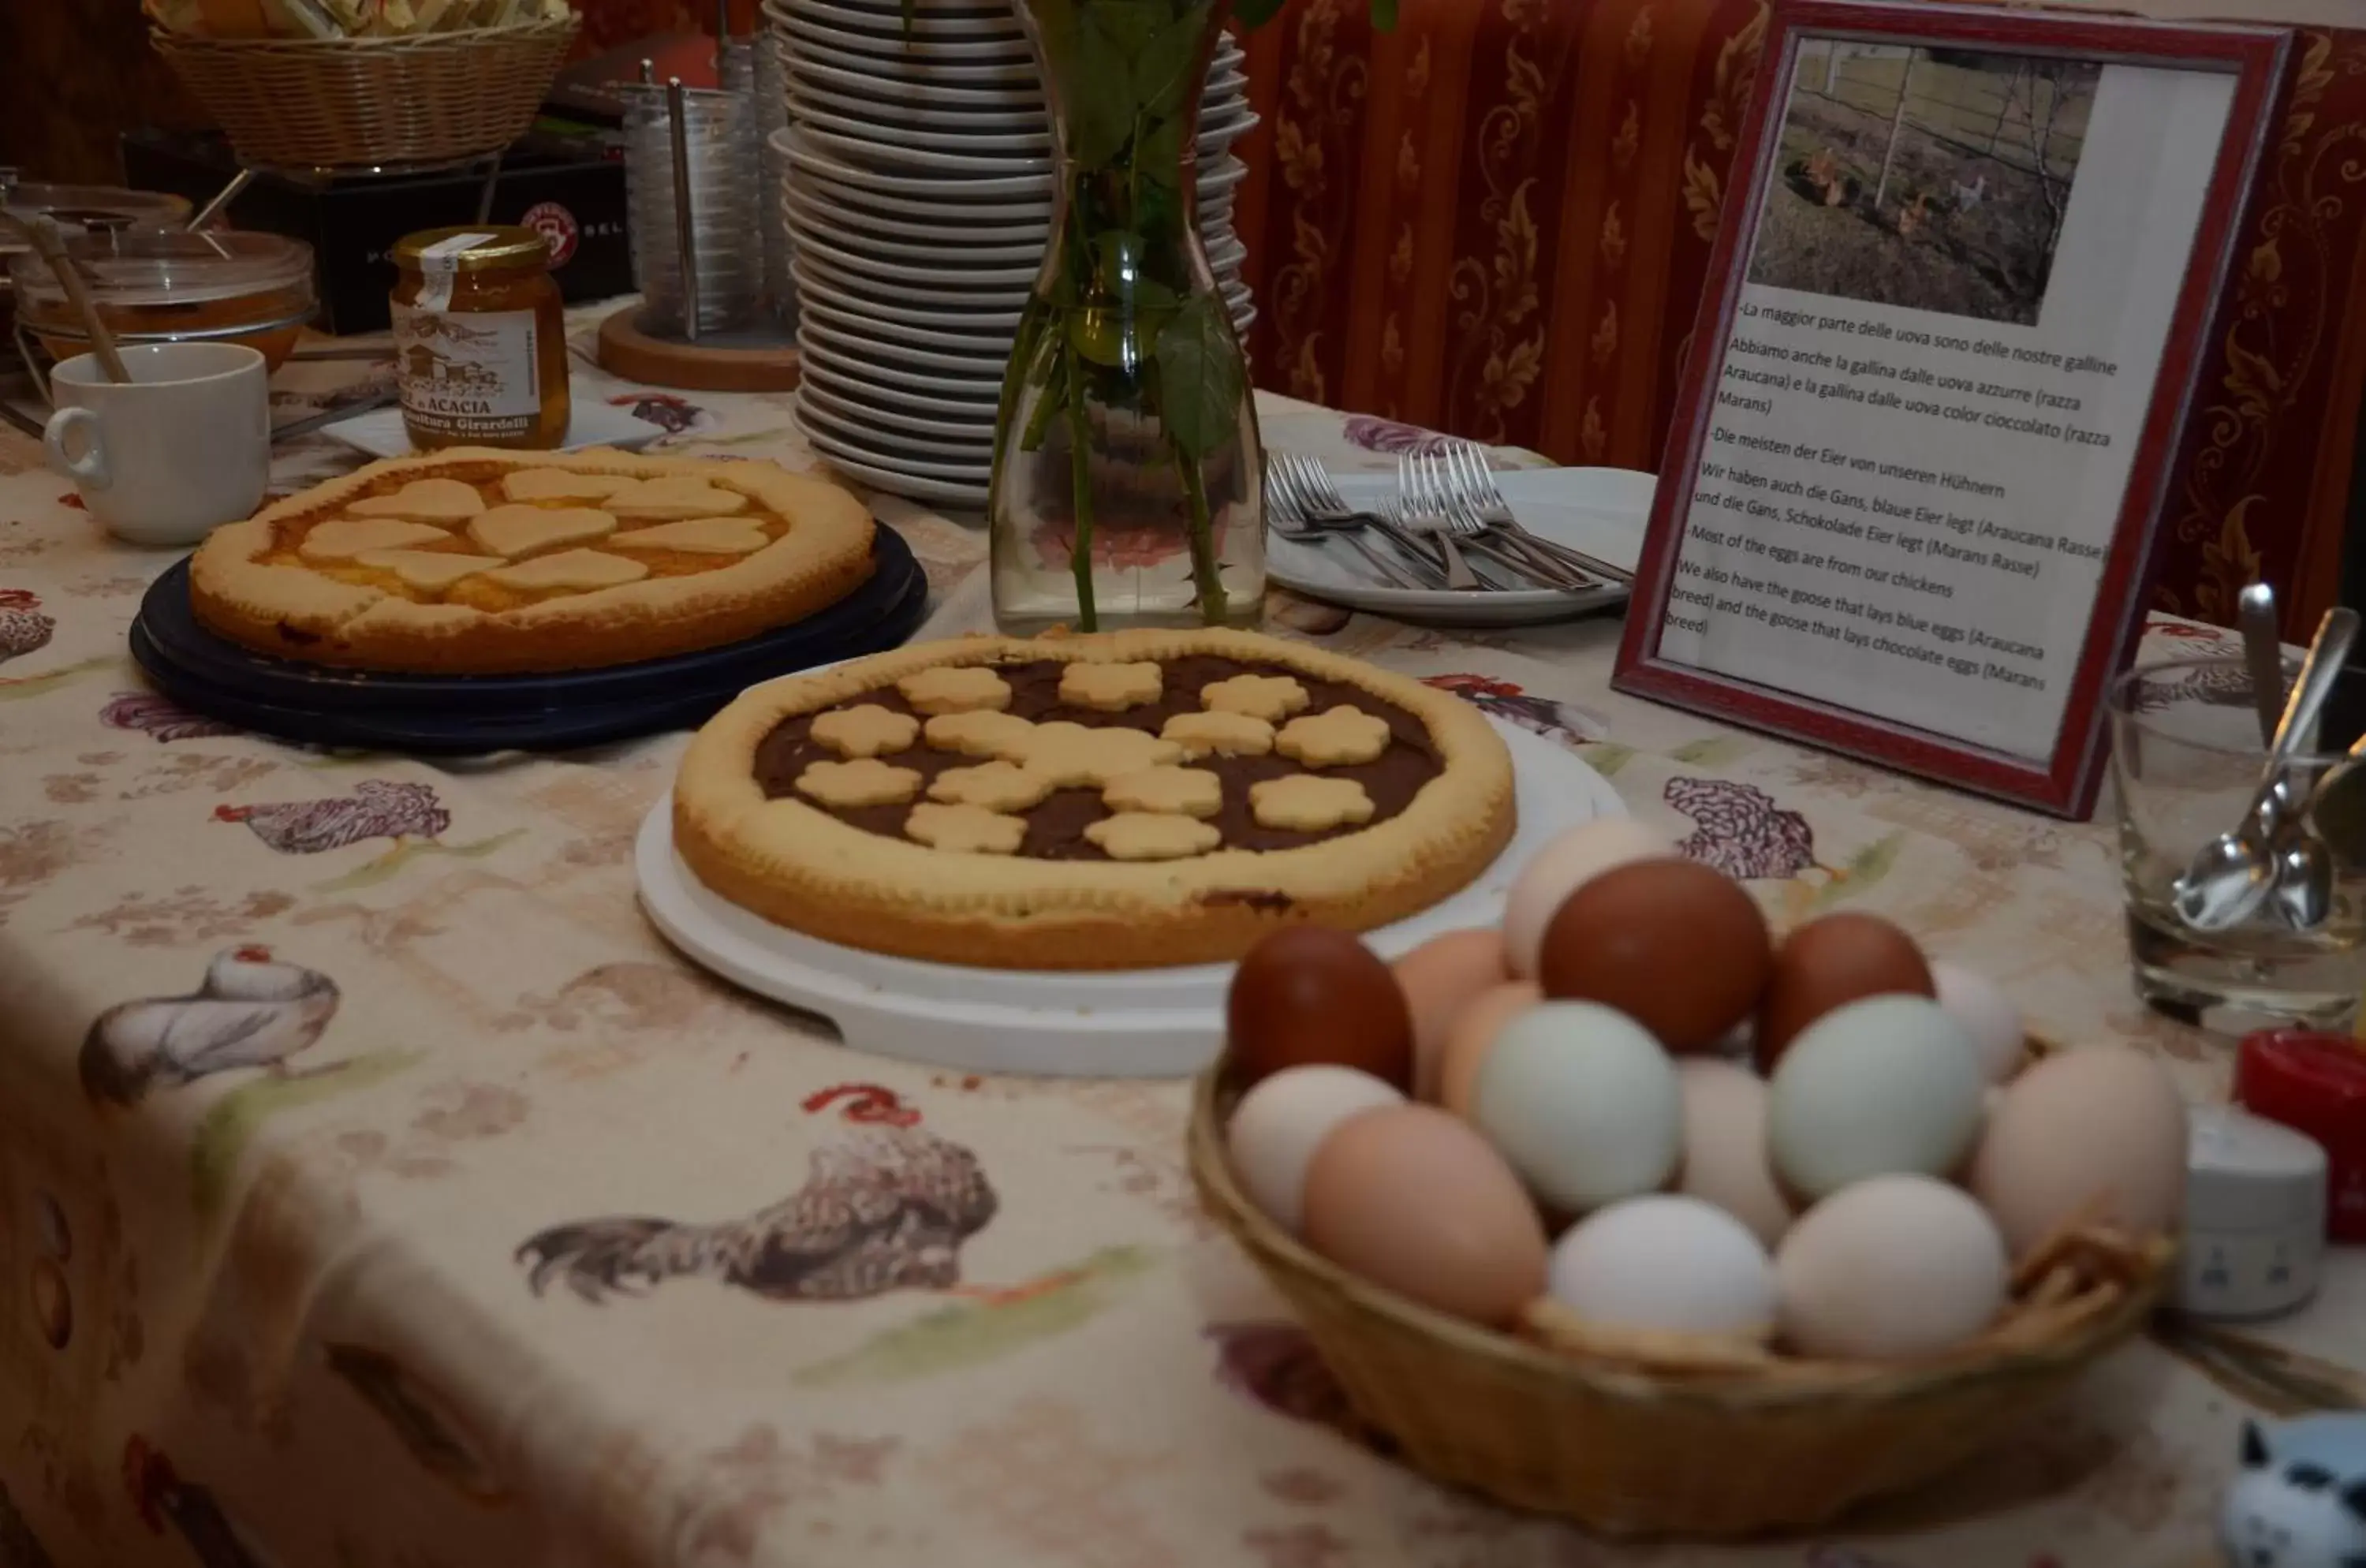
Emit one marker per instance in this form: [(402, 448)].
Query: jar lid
[(2245, 1173), (170, 266), (75, 206), (499, 248)]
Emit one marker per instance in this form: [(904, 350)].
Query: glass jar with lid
[(171, 286), (479, 339), (73, 206)]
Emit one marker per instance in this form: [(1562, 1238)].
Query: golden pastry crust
[(246, 585), (801, 867)]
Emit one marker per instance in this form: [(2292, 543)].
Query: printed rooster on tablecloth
[(886, 1209), (23, 627), (252, 1012), (159, 719), (379, 808), (1564, 722)]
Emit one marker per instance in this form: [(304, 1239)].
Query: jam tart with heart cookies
[(477, 561), (1127, 800)]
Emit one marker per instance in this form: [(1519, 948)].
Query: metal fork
[(1320, 491), (1288, 500), (1428, 485), (1429, 510), (1473, 478)]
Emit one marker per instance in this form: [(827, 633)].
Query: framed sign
[(1955, 314)]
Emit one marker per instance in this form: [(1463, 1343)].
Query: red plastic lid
[(2313, 1081)]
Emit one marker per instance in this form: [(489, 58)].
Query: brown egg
[(1439, 978), (1473, 1031), (1307, 995), (1415, 1201), (1828, 963), (1675, 946)]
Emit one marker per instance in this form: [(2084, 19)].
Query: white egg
[(1988, 1015), (1582, 1103), (1666, 1262), (1725, 1145), (1567, 863), (1277, 1125), (1885, 1084), (1896, 1267)]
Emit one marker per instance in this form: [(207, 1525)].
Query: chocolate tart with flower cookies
[(475, 562), (1128, 800)]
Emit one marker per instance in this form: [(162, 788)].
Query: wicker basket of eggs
[(1631, 1213)]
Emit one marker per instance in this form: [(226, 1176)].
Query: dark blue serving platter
[(470, 715)]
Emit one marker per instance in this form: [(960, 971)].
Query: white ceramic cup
[(178, 450)]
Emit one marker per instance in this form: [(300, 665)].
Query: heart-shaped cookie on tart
[(476, 562)]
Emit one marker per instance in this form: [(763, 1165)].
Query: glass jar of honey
[(479, 339)]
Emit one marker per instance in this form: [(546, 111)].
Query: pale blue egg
[(1582, 1103), (1889, 1083)]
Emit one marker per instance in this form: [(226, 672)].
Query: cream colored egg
[(1991, 1021), (2099, 1130), (1416, 1202), (1279, 1125), (1891, 1267), (1667, 1263), (1725, 1145), (1473, 1033), (1567, 863), (1439, 978)]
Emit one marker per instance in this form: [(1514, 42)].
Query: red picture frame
[(2066, 783)]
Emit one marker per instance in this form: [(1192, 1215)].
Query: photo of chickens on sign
[(1934, 178)]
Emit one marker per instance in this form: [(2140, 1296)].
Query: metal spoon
[(2231, 876), (2263, 651)]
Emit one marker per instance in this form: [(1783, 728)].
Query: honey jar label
[(468, 376)]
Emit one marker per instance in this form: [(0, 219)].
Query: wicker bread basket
[(1643, 1438), (372, 102)]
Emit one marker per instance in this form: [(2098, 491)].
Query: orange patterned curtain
[(1496, 221)]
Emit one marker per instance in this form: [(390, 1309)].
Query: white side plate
[(1603, 512), (380, 432)]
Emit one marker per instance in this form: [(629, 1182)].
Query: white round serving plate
[(853, 381), (848, 139), (830, 443), (922, 66), (1008, 218), (859, 413), (854, 231), (1111, 1024), (850, 344), (815, 71), (1001, 281), (847, 316), (959, 497), (983, 391), (1603, 512), (994, 23), (856, 296), (992, 193), (1018, 149), (815, 413)]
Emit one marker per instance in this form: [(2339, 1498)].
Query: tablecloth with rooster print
[(377, 1189)]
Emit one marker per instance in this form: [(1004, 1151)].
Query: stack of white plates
[(917, 194)]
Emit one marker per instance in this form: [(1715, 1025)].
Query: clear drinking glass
[(2186, 760)]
